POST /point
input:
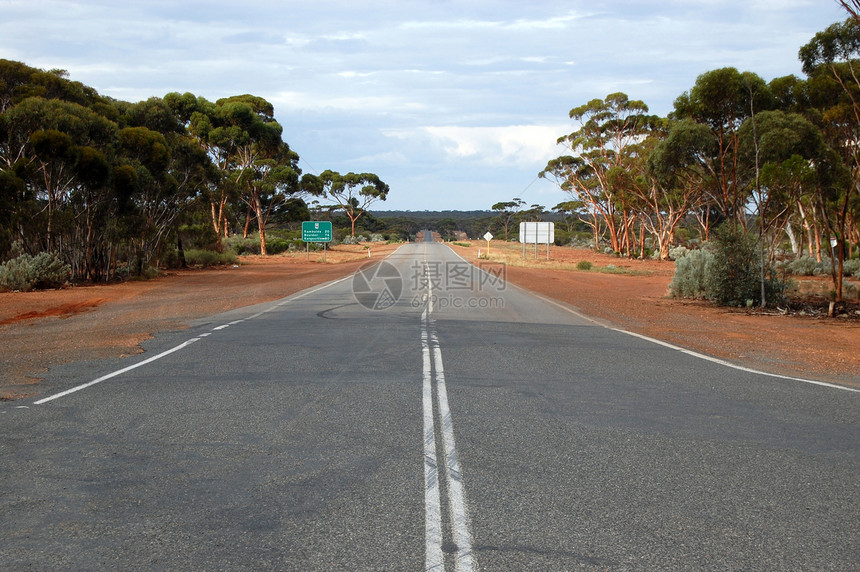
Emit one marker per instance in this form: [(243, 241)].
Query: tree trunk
[(216, 224), (261, 225), (792, 238), (181, 250), (247, 226)]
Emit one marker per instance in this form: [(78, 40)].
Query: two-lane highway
[(425, 414)]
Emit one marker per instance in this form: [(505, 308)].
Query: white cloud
[(295, 101), (527, 146)]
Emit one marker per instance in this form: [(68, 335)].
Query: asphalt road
[(423, 414)]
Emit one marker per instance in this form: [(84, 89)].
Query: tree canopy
[(778, 157), (107, 186)]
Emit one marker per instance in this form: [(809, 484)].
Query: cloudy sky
[(456, 104)]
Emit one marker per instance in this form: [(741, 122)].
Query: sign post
[(537, 233), (316, 231), (488, 237)]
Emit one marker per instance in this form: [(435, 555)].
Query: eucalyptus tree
[(662, 184), (508, 212), (722, 100), (830, 60), (43, 139), (149, 190), (244, 141), (274, 180), (198, 116), (572, 211), (534, 213), (91, 203), (605, 142), (790, 94), (19, 81), (13, 192), (190, 168), (353, 192), (788, 147)]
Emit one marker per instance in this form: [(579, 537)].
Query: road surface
[(423, 414)]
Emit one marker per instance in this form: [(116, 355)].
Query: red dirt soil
[(42, 329)]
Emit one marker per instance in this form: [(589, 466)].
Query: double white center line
[(447, 477)]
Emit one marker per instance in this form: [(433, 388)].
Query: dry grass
[(561, 258), (332, 255)]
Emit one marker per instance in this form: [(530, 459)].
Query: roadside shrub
[(851, 267), (27, 272), (583, 265), (735, 274), (196, 257), (581, 241), (692, 269), (678, 252), (726, 271), (354, 239), (376, 237), (277, 245), (13, 274), (241, 245), (150, 272), (808, 266)]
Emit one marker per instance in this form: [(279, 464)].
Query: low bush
[(27, 272), (851, 267), (277, 245), (726, 271), (692, 268), (196, 257), (354, 239), (678, 252), (735, 276), (808, 266), (583, 265), (240, 245)]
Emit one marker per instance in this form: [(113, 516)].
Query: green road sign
[(316, 231)]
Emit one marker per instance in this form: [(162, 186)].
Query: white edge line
[(697, 354), (118, 372), (674, 347), (184, 344)]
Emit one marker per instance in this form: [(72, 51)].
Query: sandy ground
[(42, 329)]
